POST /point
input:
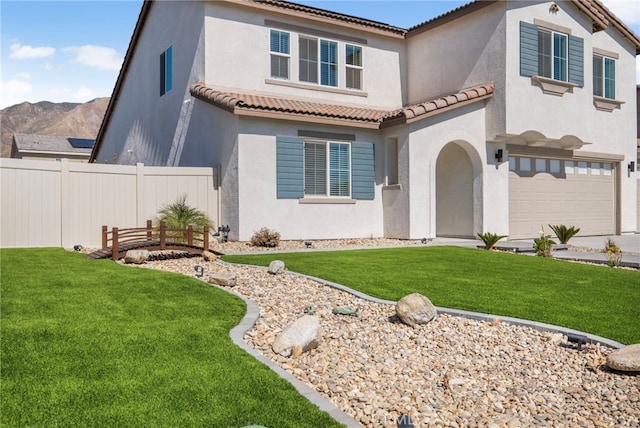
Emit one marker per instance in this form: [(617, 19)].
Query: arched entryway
[(454, 192)]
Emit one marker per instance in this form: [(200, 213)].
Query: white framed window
[(606, 169), (327, 168), (582, 168), (569, 167), (604, 77), (554, 166), (308, 59), (328, 63), (525, 164), (353, 62), (512, 163), (279, 46), (552, 54), (541, 165), (595, 168)]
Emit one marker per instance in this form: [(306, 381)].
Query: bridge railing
[(165, 238)]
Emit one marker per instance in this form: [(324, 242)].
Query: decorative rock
[(136, 256), (209, 256), (625, 359), (415, 309), (276, 267), (224, 279), (345, 310), (303, 334)]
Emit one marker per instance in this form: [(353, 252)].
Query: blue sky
[(72, 50)]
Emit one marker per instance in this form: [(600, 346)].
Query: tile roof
[(238, 103)]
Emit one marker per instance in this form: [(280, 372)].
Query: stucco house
[(499, 116), (40, 147)]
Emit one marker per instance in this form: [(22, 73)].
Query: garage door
[(555, 191)]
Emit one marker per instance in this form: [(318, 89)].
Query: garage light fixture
[(632, 166), (499, 155)]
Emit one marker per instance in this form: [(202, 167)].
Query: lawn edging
[(237, 336)]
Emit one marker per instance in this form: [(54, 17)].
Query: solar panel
[(81, 143)]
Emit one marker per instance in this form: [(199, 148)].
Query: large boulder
[(209, 256), (136, 256), (300, 336), (625, 359), (276, 267), (224, 279), (415, 309)]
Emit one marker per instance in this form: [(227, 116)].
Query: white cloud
[(23, 75), (100, 57), (47, 66), (14, 92), (19, 51), (84, 94), (627, 10)]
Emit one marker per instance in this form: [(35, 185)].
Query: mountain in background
[(47, 118)]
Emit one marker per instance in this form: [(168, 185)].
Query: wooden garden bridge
[(116, 242)]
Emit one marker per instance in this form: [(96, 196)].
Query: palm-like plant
[(490, 239), (564, 233), (179, 215)]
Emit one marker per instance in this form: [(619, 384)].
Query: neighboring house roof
[(49, 144), (302, 110)]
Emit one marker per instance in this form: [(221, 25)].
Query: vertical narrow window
[(280, 54), (598, 74), (353, 66), (328, 63), (604, 77), (166, 71), (315, 168), (308, 62), (340, 171), (560, 56), (544, 53)]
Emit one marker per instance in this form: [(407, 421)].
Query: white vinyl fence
[(62, 203)]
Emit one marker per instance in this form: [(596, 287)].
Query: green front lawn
[(92, 343), (594, 299)]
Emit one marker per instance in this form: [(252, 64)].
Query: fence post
[(163, 234), (114, 246), (149, 230), (205, 238), (190, 235), (105, 240)]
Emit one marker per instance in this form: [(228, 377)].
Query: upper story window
[(552, 55), (310, 64), (604, 77), (328, 63), (280, 54), (166, 71), (308, 61), (353, 60)]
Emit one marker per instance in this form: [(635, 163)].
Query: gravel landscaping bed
[(451, 372)]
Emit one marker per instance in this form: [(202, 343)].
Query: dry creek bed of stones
[(452, 372)]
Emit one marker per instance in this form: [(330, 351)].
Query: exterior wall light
[(632, 166), (499, 155), (199, 271)]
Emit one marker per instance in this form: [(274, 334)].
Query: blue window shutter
[(528, 49), (289, 167), (362, 171), (576, 60)]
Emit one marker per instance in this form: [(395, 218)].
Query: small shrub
[(265, 238), (490, 239), (563, 233), (543, 244), (614, 253)]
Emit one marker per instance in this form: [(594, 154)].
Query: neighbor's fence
[(62, 204)]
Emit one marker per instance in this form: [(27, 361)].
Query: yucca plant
[(490, 239), (564, 233), (179, 215)]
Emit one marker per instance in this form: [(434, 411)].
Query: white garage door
[(554, 191)]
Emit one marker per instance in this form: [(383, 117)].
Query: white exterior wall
[(574, 113), (146, 127), (259, 206), (238, 58), (465, 126)]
